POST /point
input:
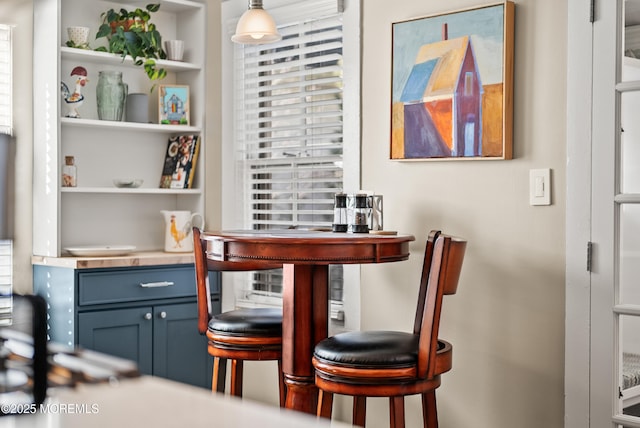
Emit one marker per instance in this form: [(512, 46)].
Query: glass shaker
[(360, 214), (340, 223)]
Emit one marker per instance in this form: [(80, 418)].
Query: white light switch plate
[(540, 186)]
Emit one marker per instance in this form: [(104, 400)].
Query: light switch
[(540, 186)]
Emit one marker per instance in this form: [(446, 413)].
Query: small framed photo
[(173, 104)]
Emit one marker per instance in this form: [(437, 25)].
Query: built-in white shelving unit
[(96, 212)]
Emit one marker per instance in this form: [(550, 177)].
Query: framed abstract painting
[(452, 85)]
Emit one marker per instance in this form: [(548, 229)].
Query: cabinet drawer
[(135, 284)]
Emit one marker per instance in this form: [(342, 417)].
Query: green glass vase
[(111, 93)]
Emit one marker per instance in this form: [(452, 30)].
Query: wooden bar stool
[(238, 335), (391, 363)]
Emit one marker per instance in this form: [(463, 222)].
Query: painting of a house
[(173, 104), (451, 94)]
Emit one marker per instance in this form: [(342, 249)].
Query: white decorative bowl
[(130, 183)]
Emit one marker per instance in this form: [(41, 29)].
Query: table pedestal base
[(302, 394), (304, 324)]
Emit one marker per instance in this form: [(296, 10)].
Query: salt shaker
[(340, 223)]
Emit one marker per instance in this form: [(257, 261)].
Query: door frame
[(592, 64), (578, 214)]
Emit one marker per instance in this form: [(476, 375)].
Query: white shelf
[(129, 126), (139, 190), (173, 6), (97, 57)]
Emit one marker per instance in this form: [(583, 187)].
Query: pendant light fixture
[(256, 26)]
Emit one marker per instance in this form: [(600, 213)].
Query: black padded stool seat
[(371, 349), (248, 322)]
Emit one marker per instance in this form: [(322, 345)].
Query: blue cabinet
[(126, 333), (145, 314)]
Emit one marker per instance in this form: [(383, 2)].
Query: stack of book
[(180, 162)]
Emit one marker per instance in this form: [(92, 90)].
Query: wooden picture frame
[(452, 85), (173, 104)]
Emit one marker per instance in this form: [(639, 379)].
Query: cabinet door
[(180, 352), (126, 333)]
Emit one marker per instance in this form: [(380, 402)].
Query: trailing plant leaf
[(129, 33), (71, 44)]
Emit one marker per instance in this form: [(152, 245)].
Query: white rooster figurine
[(74, 100)]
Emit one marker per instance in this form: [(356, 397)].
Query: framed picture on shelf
[(452, 85), (173, 104)]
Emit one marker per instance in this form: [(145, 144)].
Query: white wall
[(507, 321), (20, 14)]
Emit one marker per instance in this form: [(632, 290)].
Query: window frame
[(231, 203)]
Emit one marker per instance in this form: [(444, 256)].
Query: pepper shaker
[(360, 214)]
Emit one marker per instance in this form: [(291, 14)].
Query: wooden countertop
[(146, 258)]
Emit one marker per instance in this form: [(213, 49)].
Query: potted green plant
[(131, 33)]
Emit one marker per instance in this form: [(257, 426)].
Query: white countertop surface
[(155, 402)]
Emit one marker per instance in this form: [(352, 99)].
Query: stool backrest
[(203, 291), (204, 265), (440, 274)]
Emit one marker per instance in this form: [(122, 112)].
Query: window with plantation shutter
[(6, 114), (290, 150), (289, 134)]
